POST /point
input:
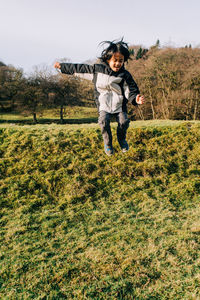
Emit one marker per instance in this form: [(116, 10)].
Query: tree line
[(41, 90), (170, 80), (168, 77)]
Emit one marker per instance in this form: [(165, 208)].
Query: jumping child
[(114, 88)]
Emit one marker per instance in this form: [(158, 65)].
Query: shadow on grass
[(50, 121)]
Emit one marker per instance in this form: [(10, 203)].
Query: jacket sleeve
[(133, 89), (80, 70)]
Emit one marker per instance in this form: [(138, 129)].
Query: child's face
[(116, 61)]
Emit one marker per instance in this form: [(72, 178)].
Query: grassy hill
[(76, 224)]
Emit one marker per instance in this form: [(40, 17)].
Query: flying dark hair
[(114, 47)]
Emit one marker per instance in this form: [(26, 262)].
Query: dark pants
[(104, 122)]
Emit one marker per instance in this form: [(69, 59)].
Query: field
[(76, 224), (73, 114)]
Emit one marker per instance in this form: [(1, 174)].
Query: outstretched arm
[(80, 70), (69, 68)]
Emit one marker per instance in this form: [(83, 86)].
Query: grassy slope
[(77, 224)]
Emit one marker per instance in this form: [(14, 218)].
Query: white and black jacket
[(113, 90)]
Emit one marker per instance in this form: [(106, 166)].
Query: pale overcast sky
[(33, 32)]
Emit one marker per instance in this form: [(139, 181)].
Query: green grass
[(76, 224), (74, 114)]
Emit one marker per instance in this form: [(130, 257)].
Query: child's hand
[(140, 99), (57, 65)]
